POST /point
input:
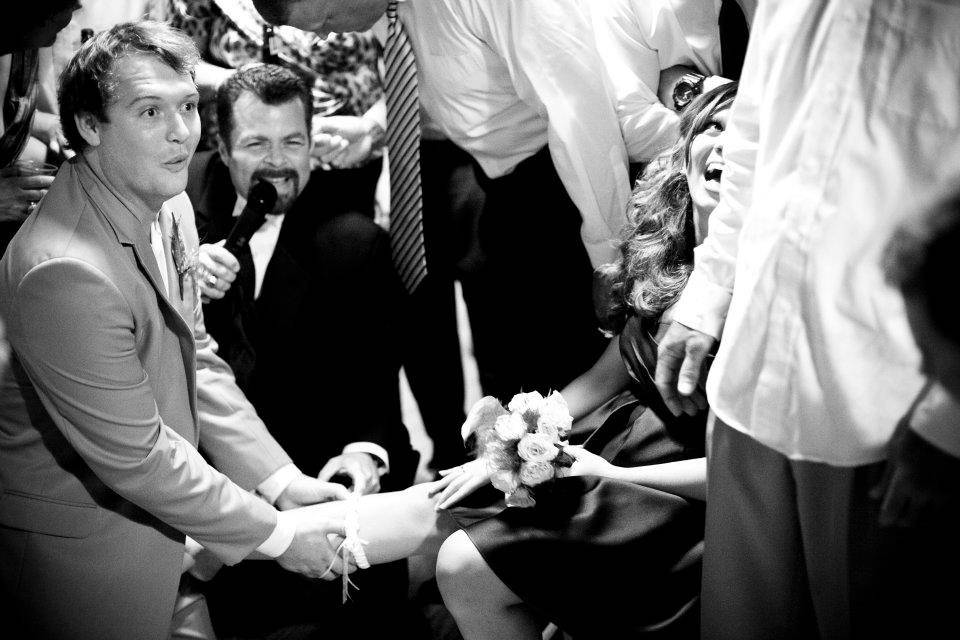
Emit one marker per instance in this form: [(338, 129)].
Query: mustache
[(267, 174)]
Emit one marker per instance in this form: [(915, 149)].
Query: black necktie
[(733, 38)]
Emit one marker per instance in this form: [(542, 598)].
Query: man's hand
[(345, 141), (19, 194), (680, 359), (305, 490), (218, 270), (312, 553), (361, 467), (921, 484)]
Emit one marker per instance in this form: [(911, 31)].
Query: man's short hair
[(922, 259), (88, 82), (271, 84)]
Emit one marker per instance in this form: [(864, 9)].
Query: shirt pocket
[(916, 48)]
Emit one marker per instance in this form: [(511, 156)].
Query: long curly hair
[(656, 250)]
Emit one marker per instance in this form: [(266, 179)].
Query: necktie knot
[(392, 11)]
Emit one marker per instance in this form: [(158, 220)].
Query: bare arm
[(599, 383), (685, 478)]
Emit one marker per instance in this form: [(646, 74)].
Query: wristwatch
[(687, 88)]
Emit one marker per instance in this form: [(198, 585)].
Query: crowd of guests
[(723, 230)]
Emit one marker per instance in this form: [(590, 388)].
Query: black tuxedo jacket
[(315, 352)]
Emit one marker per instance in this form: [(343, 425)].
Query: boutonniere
[(186, 265)]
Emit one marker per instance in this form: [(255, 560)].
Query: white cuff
[(374, 450), (703, 306), (271, 488), (936, 419), (278, 542)]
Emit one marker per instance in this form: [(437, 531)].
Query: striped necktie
[(403, 143)]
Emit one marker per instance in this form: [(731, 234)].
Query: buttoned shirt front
[(847, 115), (504, 78)]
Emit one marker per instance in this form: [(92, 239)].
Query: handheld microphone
[(260, 201)]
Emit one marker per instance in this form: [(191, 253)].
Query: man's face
[(271, 142), (151, 132), (325, 16)]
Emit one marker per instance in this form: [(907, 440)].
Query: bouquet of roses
[(522, 443)]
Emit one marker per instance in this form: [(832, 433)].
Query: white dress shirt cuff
[(271, 488), (936, 419), (282, 536), (374, 450), (703, 306)]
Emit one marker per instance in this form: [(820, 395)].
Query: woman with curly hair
[(633, 503)]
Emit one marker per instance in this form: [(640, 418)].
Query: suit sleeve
[(231, 433), (74, 333)]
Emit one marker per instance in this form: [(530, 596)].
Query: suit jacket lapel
[(130, 229)]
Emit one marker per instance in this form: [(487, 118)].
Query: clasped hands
[(313, 551)]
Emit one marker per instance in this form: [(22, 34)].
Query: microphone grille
[(262, 196)]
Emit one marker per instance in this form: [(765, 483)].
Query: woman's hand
[(588, 464), (19, 194), (459, 482)]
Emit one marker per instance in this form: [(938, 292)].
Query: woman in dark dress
[(632, 509)]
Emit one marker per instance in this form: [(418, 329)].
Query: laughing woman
[(632, 509)]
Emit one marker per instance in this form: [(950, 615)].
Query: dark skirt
[(603, 558)]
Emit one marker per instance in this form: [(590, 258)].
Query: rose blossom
[(537, 447), (505, 481), (554, 415), (524, 402), (511, 427), (497, 453), (534, 473)]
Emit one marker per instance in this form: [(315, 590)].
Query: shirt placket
[(779, 383)]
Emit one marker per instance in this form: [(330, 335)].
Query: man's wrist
[(280, 538), (273, 487)]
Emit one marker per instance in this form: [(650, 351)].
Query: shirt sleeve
[(549, 49), (706, 297), (633, 66)]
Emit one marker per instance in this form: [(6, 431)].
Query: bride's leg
[(398, 524), (483, 606)]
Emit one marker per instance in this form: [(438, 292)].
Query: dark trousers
[(794, 549), (451, 205), (530, 300)]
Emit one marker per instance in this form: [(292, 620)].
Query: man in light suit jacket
[(113, 382)]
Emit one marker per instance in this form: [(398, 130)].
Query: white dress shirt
[(847, 114), (637, 39), (504, 78)]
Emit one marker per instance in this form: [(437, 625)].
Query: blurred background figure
[(29, 125)]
